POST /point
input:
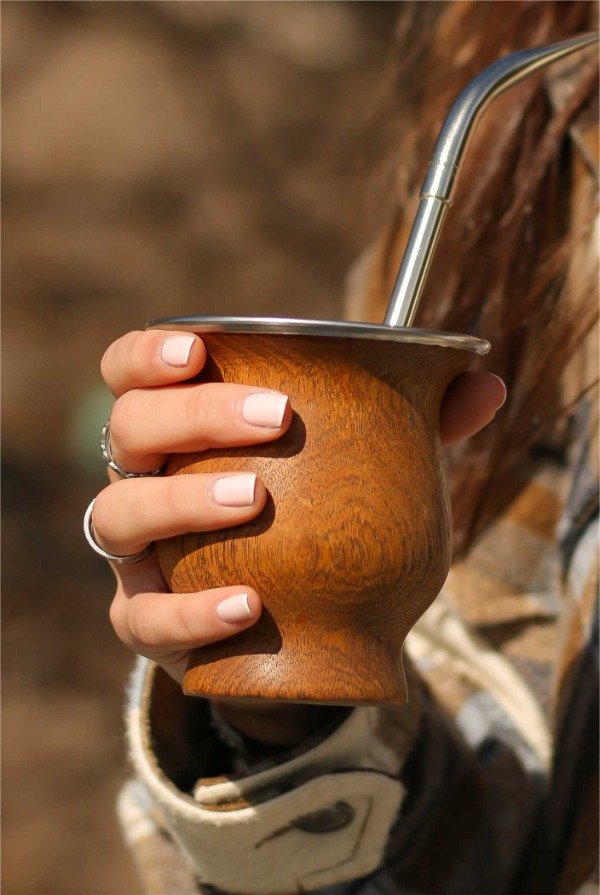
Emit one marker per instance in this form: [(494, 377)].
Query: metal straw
[(448, 155)]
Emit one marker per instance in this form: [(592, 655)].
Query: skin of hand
[(158, 412)]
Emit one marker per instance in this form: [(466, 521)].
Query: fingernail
[(502, 393), (265, 409), (175, 351), (235, 490), (234, 609)]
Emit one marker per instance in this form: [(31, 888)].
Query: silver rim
[(332, 328)]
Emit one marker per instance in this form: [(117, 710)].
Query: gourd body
[(355, 540)]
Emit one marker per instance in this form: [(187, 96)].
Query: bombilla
[(448, 154)]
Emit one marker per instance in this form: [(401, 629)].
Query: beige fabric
[(160, 864), (273, 853), (588, 889), (441, 638)]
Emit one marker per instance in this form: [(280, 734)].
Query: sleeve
[(313, 817)]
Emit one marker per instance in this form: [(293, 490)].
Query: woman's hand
[(470, 403), (158, 413)]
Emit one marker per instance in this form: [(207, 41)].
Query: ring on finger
[(90, 536), (106, 450)]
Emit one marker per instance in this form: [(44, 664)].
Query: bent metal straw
[(448, 155)]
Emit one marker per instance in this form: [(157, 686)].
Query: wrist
[(276, 724)]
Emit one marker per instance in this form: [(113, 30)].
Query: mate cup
[(354, 542)]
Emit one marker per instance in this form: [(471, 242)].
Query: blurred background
[(158, 158)]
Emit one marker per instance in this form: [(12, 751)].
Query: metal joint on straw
[(448, 154), (439, 181)]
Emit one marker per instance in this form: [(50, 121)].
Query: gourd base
[(335, 665)]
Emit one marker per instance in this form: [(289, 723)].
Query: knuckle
[(133, 355), (116, 617), (118, 357), (106, 364), (120, 421), (184, 624), (102, 513), (108, 510), (198, 407), (179, 501), (143, 629)]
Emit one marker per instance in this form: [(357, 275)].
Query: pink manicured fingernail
[(265, 409), (234, 609), (175, 351), (235, 490)]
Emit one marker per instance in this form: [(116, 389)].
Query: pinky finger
[(165, 627)]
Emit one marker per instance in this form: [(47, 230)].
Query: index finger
[(157, 357)]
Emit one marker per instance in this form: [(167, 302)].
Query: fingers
[(146, 424), (470, 403), (130, 513), (156, 357), (164, 626)]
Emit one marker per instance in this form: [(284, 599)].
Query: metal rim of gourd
[(292, 326)]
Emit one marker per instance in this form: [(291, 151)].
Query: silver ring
[(106, 449), (88, 530)]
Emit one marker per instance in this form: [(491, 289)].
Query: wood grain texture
[(355, 540)]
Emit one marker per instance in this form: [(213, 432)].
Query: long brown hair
[(516, 262)]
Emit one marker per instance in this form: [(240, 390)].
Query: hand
[(470, 403), (158, 413)]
